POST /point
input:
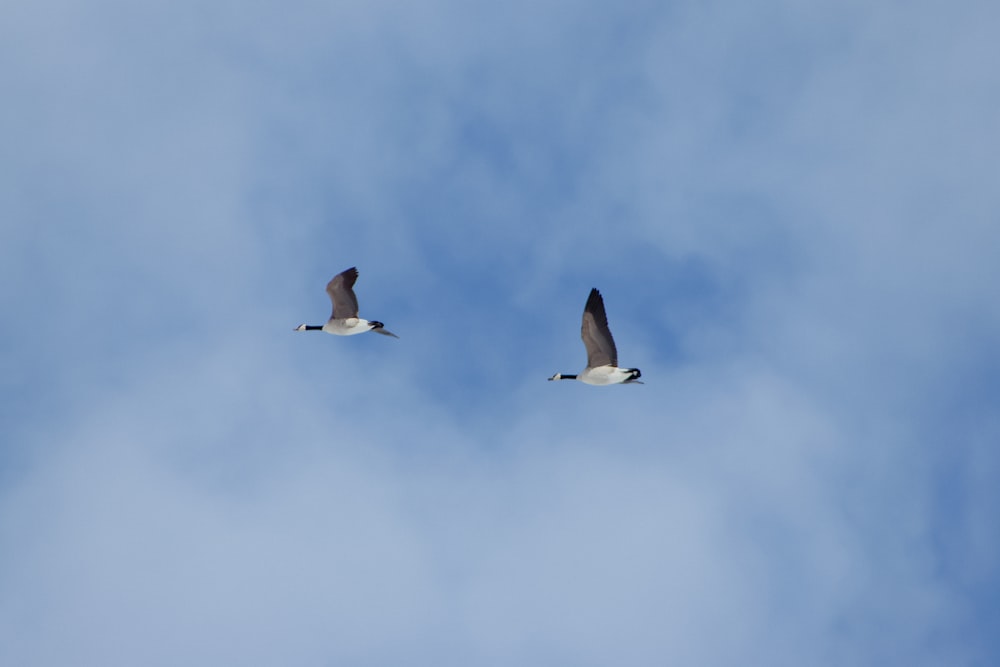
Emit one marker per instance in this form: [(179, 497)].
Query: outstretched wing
[(596, 335), (345, 304)]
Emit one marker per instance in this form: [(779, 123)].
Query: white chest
[(346, 327), (603, 375)]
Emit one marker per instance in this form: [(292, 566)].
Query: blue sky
[(790, 208)]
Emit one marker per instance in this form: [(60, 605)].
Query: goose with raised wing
[(602, 356), (344, 320)]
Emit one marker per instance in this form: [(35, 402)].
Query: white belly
[(603, 375), (346, 327)]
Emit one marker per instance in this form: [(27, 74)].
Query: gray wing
[(596, 335), (345, 304)]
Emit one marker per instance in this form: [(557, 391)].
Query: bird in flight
[(344, 320), (602, 356)]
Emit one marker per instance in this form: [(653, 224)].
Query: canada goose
[(602, 357), (344, 320)]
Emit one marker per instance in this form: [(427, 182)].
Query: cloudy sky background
[(791, 209)]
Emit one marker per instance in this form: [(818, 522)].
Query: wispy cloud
[(788, 209)]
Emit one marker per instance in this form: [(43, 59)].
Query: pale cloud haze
[(790, 209)]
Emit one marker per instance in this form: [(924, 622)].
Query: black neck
[(312, 328), (568, 377)]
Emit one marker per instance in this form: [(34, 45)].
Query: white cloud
[(196, 483)]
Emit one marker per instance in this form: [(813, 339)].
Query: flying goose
[(344, 320), (602, 357)]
